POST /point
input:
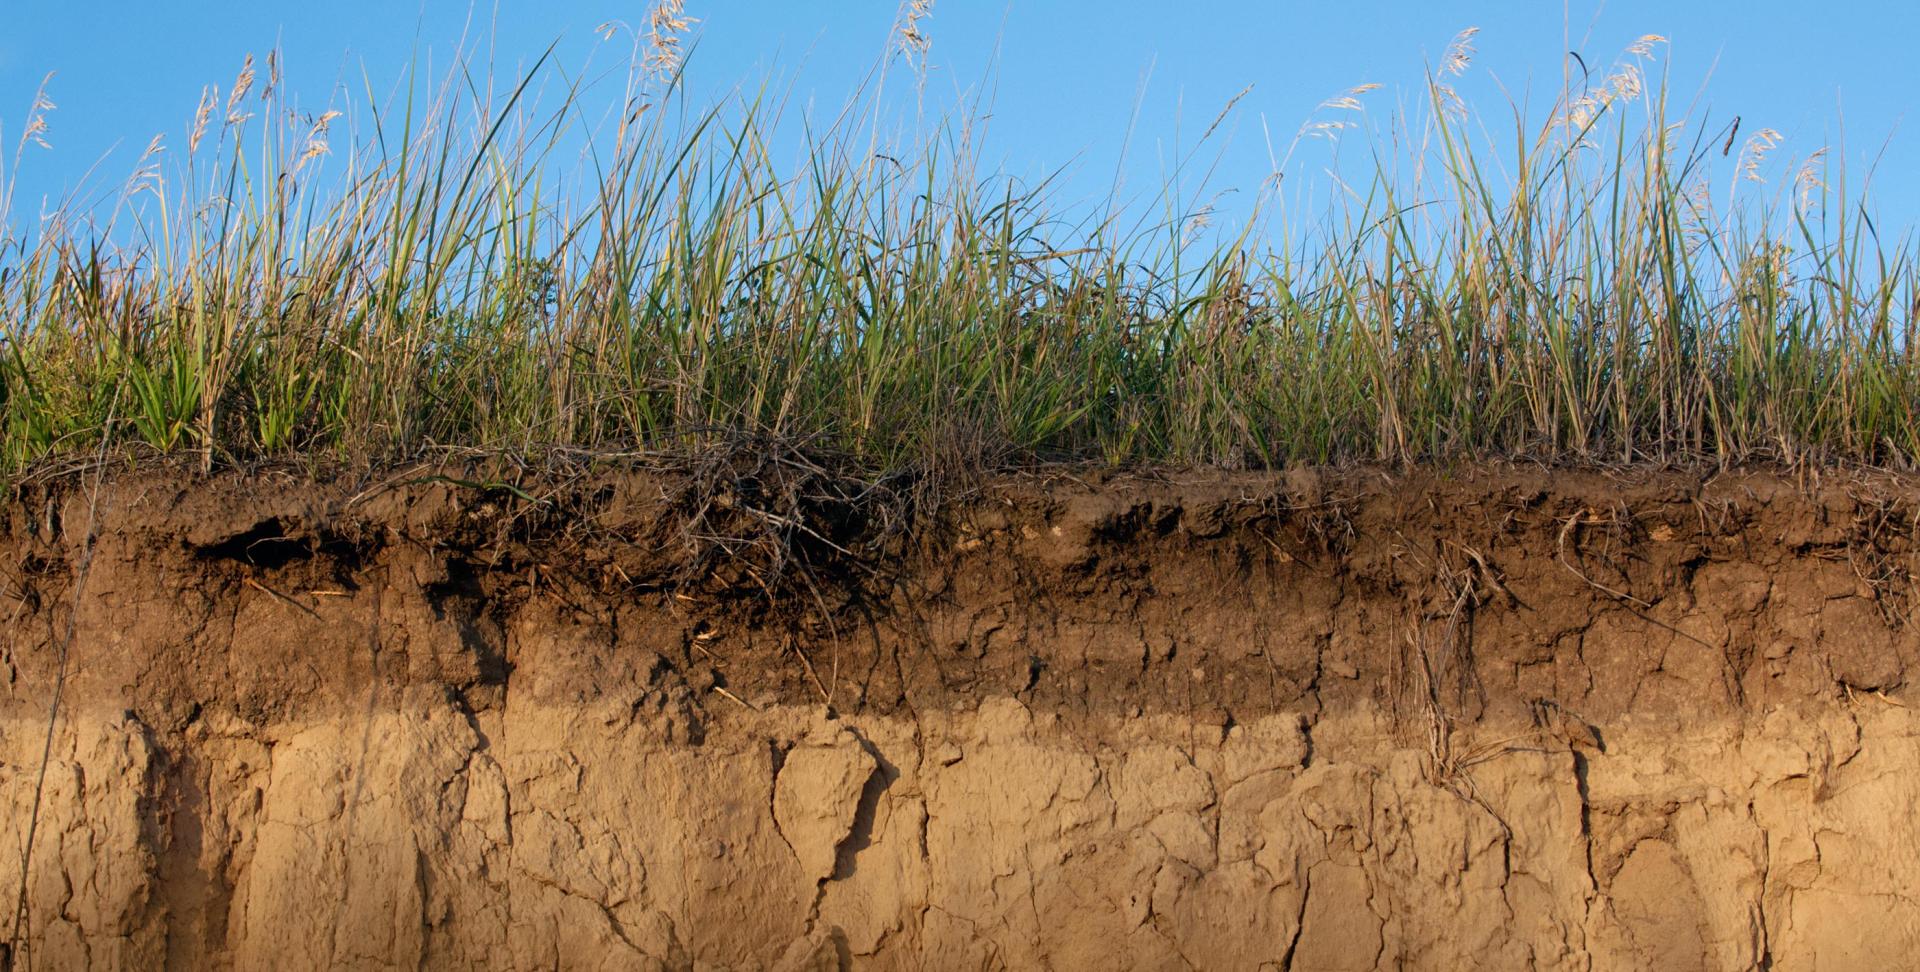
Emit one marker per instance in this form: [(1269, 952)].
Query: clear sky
[(1068, 76)]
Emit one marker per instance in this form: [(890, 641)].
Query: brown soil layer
[(1509, 716)]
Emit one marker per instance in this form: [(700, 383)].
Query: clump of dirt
[(753, 712)]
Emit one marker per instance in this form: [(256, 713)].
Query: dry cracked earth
[(1500, 717)]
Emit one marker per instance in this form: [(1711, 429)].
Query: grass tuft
[(370, 282)]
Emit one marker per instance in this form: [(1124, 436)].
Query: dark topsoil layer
[(1482, 593)]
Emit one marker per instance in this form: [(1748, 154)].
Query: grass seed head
[(146, 172), (36, 130), (209, 96), (1755, 152), (1811, 177), (241, 85), (667, 26), (1348, 100), (913, 41), (1460, 52), (1624, 83), (316, 142)]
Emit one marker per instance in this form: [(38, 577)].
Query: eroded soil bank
[(441, 717)]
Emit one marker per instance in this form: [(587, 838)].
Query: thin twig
[(723, 693), (264, 589)]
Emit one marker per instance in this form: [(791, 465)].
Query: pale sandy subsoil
[(541, 837)]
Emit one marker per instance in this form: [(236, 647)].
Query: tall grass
[(372, 284)]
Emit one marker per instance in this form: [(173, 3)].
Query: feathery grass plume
[(146, 172), (1623, 83), (36, 127), (1459, 54), (33, 132), (909, 40), (241, 85), (1810, 180), (36, 130), (1330, 128), (1626, 81), (912, 41), (1348, 100), (1579, 117), (667, 26), (209, 97), (316, 140), (1755, 152), (1644, 46), (1458, 57)]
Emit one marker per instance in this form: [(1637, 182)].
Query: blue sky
[(1068, 77)]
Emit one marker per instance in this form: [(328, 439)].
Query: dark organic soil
[(1488, 591)]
